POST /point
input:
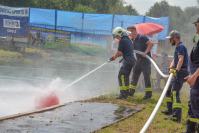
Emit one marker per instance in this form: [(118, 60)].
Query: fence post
[(122, 23), (113, 19), (55, 25), (82, 28), (144, 19)]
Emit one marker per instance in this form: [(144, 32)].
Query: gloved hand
[(112, 58), (173, 70)]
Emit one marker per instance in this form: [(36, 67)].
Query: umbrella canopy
[(149, 28)]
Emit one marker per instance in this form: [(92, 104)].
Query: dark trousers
[(193, 112), (173, 93), (142, 65), (123, 76)]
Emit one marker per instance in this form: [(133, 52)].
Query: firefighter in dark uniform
[(143, 65), (125, 49), (179, 67), (193, 81)]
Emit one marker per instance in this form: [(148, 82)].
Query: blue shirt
[(194, 57), (126, 47), (140, 44), (181, 50)]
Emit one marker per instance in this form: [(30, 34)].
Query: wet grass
[(7, 57), (87, 49), (134, 123), (10, 54), (77, 48), (36, 52)]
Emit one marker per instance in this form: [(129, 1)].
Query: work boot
[(148, 95), (131, 92), (191, 127), (177, 115), (123, 94), (127, 93), (166, 112), (169, 109)]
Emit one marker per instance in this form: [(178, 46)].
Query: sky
[(142, 6)]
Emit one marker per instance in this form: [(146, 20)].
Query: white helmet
[(118, 31)]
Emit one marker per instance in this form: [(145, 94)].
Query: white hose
[(153, 62), (84, 76), (152, 116), (157, 105)]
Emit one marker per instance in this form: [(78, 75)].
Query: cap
[(173, 33)]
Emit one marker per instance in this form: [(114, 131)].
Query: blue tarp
[(125, 20), (43, 18), (69, 21), (99, 24)]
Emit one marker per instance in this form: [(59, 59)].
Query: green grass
[(54, 45), (77, 48), (87, 49), (36, 51), (134, 123), (9, 57), (10, 54)]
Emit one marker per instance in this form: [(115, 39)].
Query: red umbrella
[(149, 28)]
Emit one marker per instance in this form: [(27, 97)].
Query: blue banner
[(14, 21)]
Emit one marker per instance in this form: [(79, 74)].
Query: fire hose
[(152, 116)]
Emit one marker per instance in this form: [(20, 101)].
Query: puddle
[(74, 118)]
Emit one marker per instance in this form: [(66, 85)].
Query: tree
[(82, 8), (16, 3), (176, 14), (92, 6), (159, 9), (131, 10)]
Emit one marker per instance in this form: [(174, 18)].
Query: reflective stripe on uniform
[(124, 88), (168, 99), (196, 120), (148, 89), (175, 103), (123, 80), (174, 96), (132, 87)]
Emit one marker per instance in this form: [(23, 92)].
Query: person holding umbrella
[(143, 65)]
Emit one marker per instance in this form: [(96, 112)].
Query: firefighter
[(142, 65), (125, 49), (193, 81), (179, 67)]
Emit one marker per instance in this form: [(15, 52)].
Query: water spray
[(87, 74), (52, 99)]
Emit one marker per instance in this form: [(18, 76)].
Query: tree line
[(89, 6), (180, 20)]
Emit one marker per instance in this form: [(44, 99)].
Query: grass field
[(134, 123)]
